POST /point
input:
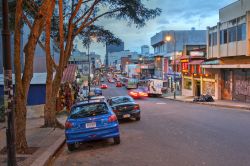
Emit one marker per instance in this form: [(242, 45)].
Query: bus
[(154, 87)]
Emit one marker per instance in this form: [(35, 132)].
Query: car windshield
[(121, 100), (88, 110)]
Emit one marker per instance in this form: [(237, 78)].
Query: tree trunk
[(50, 119), (20, 103), (20, 119), (22, 83)]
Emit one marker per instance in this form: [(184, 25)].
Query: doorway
[(198, 88)]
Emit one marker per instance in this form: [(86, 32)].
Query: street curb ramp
[(44, 158)]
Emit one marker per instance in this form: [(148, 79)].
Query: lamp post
[(88, 74), (8, 87), (91, 38), (168, 39), (140, 61)]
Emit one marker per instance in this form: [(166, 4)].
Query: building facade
[(145, 50), (110, 48), (193, 77), (168, 49), (229, 52)]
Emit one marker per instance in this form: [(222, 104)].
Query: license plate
[(91, 125), (126, 116)]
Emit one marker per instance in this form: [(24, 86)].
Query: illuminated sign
[(196, 53), (184, 60)]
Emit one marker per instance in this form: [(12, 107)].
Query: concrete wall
[(179, 39), (230, 49), (234, 10)]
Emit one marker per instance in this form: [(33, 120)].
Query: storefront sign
[(184, 60), (184, 67), (197, 53)]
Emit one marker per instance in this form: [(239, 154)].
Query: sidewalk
[(219, 103), (44, 141)]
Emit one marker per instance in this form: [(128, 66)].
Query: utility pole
[(8, 87), (89, 74), (175, 68)]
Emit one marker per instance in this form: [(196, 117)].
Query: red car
[(118, 84), (138, 93), (104, 86)]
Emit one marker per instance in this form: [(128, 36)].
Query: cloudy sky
[(176, 15)]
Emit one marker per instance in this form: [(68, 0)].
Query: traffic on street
[(164, 132)]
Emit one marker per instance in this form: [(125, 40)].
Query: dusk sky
[(176, 15)]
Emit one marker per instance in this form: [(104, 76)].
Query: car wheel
[(138, 118), (117, 140), (71, 147)]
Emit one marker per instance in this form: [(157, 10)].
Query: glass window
[(241, 32), (223, 36), (120, 100), (232, 34), (88, 110), (187, 84), (210, 39), (214, 36)]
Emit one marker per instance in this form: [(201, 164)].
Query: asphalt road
[(170, 134)]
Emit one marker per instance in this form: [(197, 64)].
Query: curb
[(217, 105), (44, 158)]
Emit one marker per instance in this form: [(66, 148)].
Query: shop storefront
[(241, 85)]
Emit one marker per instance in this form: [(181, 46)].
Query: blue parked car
[(91, 120), (97, 91)]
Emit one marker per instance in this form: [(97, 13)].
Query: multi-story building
[(40, 55), (189, 64), (229, 53), (110, 48), (145, 50), (168, 46), (114, 58), (81, 59)]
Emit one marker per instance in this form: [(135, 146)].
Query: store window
[(187, 84)]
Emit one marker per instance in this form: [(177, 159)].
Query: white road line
[(161, 103)]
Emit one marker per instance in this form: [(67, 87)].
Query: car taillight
[(68, 125), (112, 118), (143, 94), (133, 94), (136, 107)]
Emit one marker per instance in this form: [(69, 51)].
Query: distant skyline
[(176, 15)]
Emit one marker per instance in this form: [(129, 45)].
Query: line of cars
[(97, 118)]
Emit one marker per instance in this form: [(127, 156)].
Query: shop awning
[(231, 66), (69, 73), (196, 62), (184, 57)]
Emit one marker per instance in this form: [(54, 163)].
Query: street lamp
[(92, 38), (140, 61), (172, 38)]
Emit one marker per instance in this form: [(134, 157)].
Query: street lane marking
[(161, 103)]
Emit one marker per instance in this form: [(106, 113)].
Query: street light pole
[(174, 66), (89, 74), (8, 87)]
